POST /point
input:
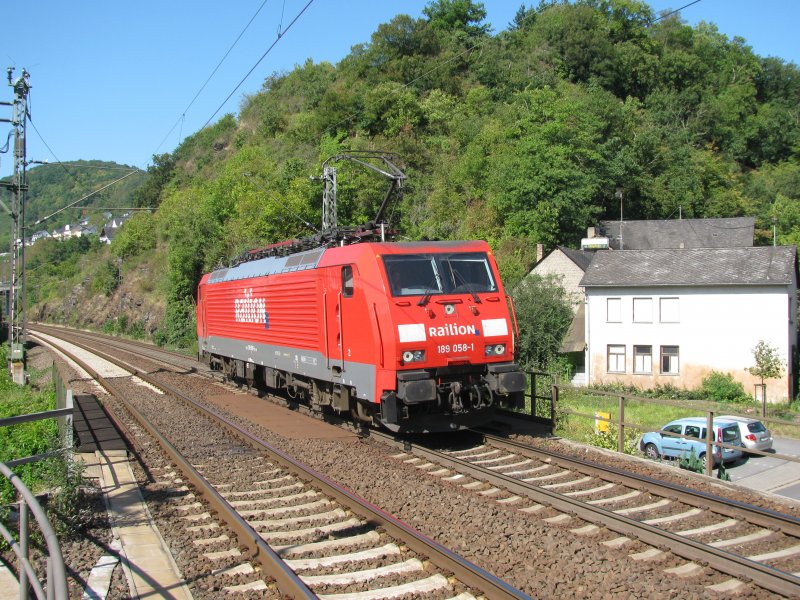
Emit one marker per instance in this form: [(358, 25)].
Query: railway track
[(745, 541), (251, 503), (748, 543)]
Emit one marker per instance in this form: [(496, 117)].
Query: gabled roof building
[(735, 232), (671, 316)]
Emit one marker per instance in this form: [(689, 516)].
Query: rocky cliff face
[(135, 307)]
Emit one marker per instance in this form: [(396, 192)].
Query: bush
[(721, 387), (692, 463), (608, 439), (544, 314), (106, 278), (178, 329)]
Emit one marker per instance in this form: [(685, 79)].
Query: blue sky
[(111, 79)]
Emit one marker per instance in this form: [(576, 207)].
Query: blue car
[(655, 444)]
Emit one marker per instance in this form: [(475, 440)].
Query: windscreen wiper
[(467, 286), (428, 291)]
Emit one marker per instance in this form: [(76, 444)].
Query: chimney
[(590, 232), (539, 252)]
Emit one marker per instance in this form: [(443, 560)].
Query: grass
[(26, 439), (650, 415), (60, 479)]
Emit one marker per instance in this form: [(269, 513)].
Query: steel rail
[(737, 566), (288, 582), (465, 571), (757, 515)]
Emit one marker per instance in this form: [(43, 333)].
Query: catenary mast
[(18, 187)]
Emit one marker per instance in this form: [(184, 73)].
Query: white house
[(111, 228), (671, 316)]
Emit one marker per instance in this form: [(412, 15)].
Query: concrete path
[(148, 564)]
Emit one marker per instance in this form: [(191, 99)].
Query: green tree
[(463, 15), (159, 175), (769, 365), (544, 313)]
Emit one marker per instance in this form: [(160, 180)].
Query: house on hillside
[(39, 235), (734, 232), (671, 316), (111, 228)]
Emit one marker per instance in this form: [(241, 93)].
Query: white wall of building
[(715, 329)]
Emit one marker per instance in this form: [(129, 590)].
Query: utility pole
[(17, 321), (620, 194)]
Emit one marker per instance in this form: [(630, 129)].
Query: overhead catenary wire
[(672, 12), (46, 145), (182, 117), (72, 177), (89, 195), (258, 62)]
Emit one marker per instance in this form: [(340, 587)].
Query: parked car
[(655, 444), (755, 436)]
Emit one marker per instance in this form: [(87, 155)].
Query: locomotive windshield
[(426, 274)]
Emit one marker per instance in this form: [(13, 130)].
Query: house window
[(668, 309), (614, 310), (642, 359), (669, 360), (616, 359), (642, 310)]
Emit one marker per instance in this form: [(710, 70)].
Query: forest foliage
[(55, 186), (517, 137)]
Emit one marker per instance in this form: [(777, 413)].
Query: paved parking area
[(770, 474)]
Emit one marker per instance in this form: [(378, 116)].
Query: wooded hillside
[(521, 137), (54, 186)]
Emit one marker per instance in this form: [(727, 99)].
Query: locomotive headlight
[(495, 350), (414, 356)]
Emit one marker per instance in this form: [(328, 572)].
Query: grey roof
[(734, 232), (581, 258), (108, 232), (761, 265)]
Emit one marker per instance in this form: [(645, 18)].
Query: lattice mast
[(18, 186)]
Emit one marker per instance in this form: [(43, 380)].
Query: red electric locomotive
[(415, 336)]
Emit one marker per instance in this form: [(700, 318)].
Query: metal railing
[(56, 582), (63, 412), (56, 578), (622, 425), (539, 400)]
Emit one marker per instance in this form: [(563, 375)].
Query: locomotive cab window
[(347, 282), (469, 273), (430, 274)]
